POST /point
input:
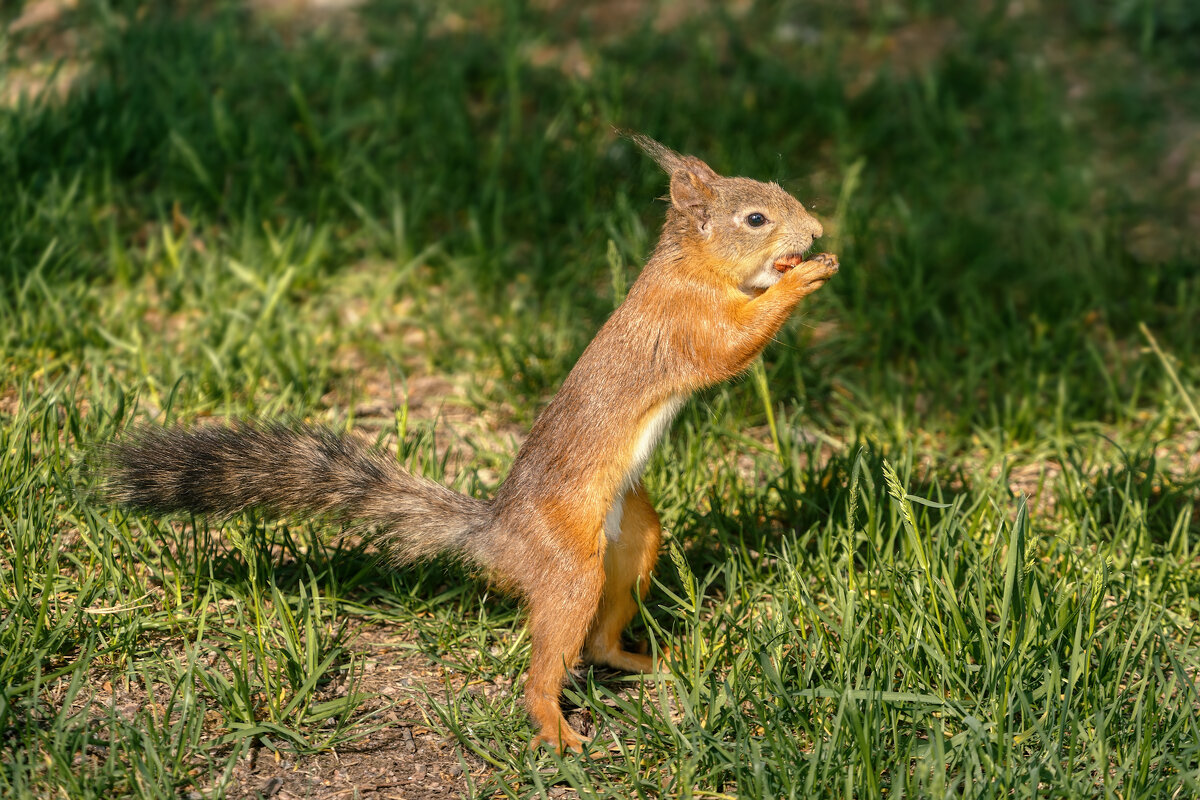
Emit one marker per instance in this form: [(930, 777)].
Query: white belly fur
[(653, 428), (612, 520)]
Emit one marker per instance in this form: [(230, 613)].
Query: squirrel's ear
[(691, 194), (691, 179)]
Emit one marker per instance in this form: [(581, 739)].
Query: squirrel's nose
[(818, 231)]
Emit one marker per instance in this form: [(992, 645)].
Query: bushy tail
[(219, 470)]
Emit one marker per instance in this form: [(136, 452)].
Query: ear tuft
[(668, 159)]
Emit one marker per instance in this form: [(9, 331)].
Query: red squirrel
[(571, 530)]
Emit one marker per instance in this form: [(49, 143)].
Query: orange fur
[(628, 563), (697, 315)]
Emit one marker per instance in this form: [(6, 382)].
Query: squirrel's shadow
[(795, 504)]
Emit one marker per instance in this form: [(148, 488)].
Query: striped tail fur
[(220, 470)]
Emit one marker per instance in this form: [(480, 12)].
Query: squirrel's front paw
[(813, 273), (827, 259)]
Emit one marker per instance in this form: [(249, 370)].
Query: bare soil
[(406, 759)]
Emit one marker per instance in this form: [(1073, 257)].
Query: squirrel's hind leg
[(628, 562), (560, 611)]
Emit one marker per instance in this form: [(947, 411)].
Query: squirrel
[(571, 529)]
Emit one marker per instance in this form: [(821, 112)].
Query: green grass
[(942, 542)]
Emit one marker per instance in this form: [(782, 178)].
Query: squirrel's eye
[(756, 220)]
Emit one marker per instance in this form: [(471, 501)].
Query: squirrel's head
[(752, 232)]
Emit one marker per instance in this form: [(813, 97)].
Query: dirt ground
[(405, 760)]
